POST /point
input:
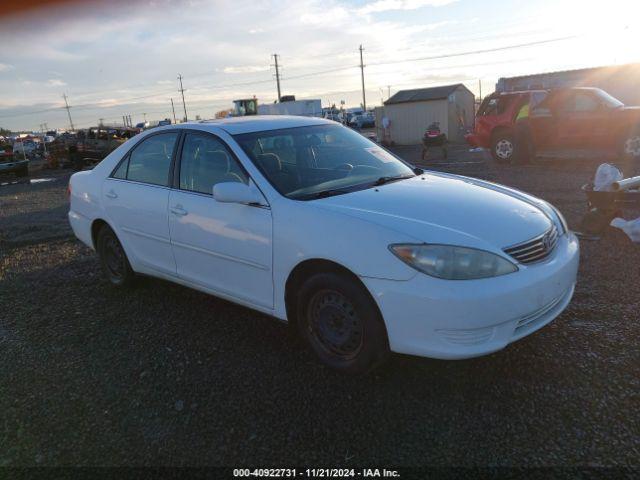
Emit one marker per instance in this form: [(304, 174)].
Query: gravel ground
[(163, 375)]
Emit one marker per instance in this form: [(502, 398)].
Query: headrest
[(270, 162), (219, 160)]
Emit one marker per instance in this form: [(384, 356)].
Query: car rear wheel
[(113, 259), (341, 323), (502, 147)]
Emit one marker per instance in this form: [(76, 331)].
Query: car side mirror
[(236, 192)]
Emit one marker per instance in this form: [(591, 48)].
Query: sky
[(115, 58)]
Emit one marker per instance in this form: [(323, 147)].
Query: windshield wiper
[(324, 194), (383, 180)]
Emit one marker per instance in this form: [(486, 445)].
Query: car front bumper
[(451, 319), (475, 140)]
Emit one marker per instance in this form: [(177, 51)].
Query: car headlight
[(563, 223), (451, 262)]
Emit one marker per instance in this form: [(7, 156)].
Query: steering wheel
[(344, 166)]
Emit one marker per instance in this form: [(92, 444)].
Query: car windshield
[(310, 162), (607, 99)]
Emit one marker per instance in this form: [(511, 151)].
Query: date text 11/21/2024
[(316, 473)]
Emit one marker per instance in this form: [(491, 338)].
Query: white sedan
[(310, 222)]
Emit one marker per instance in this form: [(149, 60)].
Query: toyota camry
[(310, 222)]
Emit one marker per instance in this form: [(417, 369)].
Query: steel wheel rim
[(335, 325), (504, 148), (114, 258), (632, 146)]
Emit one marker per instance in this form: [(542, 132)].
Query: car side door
[(136, 196), (543, 121), (224, 247), (581, 122)]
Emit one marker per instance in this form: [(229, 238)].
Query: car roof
[(259, 123)]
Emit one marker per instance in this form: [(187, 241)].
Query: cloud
[(5, 67), (389, 5), (246, 69), (55, 82)]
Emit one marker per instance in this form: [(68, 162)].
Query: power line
[(475, 52)]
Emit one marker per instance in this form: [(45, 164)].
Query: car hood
[(437, 208)]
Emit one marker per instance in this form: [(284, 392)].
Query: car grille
[(536, 249)]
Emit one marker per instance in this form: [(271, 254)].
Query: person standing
[(523, 148)]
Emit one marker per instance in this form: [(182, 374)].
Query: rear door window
[(150, 160)]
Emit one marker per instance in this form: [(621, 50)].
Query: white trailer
[(305, 108)]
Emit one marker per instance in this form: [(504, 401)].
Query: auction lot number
[(315, 473)]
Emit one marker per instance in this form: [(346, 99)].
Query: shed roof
[(423, 94)]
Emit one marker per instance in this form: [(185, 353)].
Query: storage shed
[(410, 112)]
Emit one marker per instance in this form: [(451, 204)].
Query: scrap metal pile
[(609, 197)]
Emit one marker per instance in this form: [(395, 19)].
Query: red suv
[(495, 120), (585, 122), (575, 122)]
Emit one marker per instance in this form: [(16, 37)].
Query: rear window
[(495, 105)]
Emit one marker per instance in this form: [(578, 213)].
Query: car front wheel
[(341, 323), (113, 259)]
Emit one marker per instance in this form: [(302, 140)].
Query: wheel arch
[(96, 225), (500, 130), (304, 270)]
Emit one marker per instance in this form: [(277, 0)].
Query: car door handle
[(178, 210), (111, 194)]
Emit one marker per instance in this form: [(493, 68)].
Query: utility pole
[(388, 92), (101, 121), (275, 61), (43, 126), (66, 105), (480, 89), (130, 122), (364, 100), (184, 105), (174, 111)]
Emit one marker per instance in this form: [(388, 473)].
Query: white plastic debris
[(605, 176), (630, 227)]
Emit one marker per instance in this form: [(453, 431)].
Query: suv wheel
[(631, 153), (341, 323), (502, 147), (113, 260)]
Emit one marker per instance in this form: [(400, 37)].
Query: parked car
[(310, 222), (575, 122), (363, 120), (495, 120), (585, 122)]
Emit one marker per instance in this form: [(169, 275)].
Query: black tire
[(341, 323), (502, 147), (113, 259)]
